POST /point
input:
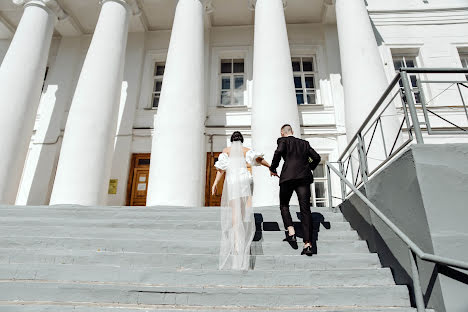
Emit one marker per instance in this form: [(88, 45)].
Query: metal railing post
[(343, 185), (416, 283), (330, 195), (412, 107), (362, 158)]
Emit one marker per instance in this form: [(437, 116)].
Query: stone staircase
[(69, 258)]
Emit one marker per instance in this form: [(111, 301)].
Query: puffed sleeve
[(251, 158), (223, 162)]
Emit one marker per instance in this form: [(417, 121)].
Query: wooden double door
[(137, 187), (211, 171)]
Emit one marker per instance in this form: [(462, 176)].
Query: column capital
[(52, 5), (132, 5), (329, 2), (252, 4)]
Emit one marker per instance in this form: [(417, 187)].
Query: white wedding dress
[(237, 218)]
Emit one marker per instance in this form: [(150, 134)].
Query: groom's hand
[(273, 174)]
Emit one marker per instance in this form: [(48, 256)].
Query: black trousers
[(302, 189)]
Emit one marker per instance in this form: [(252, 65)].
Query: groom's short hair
[(286, 128)]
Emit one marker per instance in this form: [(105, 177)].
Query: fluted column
[(274, 96), (85, 161), (364, 79), (178, 150), (21, 78)]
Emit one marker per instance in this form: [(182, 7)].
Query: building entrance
[(137, 186)]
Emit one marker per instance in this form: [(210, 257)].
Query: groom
[(296, 176)]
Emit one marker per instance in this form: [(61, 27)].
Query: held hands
[(274, 174)]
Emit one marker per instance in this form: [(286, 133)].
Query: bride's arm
[(219, 175), (263, 162)]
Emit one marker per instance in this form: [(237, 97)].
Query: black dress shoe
[(307, 251), (291, 238)]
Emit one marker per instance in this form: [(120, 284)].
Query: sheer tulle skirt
[(237, 219)]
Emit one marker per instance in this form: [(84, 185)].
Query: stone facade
[(96, 107)]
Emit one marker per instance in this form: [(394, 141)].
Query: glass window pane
[(310, 82), (299, 97), (296, 64), (417, 97), (159, 69), (239, 82), (155, 100), (225, 97), (320, 204), (319, 172), (226, 83), (238, 66), (238, 98), (410, 63), (298, 82), (414, 81), (319, 189), (311, 98), (157, 85), (398, 64), (226, 66), (307, 64)]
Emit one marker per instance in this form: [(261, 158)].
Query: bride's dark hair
[(237, 136)]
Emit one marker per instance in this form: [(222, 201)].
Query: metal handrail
[(411, 105), (413, 247), (371, 114)]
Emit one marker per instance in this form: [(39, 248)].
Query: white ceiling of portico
[(159, 15)]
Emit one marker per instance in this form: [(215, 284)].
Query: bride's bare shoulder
[(227, 150)]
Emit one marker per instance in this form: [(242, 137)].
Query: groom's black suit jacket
[(299, 159)]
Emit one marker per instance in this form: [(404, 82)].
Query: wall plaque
[(113, 186)]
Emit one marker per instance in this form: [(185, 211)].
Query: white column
[(364, 79), (39, 169), (21, 78), (178, 150), (274, 97), (86, 157)]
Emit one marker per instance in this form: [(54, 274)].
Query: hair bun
[(237, 136)]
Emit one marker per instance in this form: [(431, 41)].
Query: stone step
[(147, 209), (188, 261), (394, 296), (152, 224), (73, 307), (163, 216), (161, 246), (127, 233), (191, 277), (155, 215)]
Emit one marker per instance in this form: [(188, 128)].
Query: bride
[(237, 219)]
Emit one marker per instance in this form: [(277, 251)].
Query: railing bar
[(372, 137), (442, 92), (412, 107), (416, 283), (463, 84), (446, 120), (422, 95), (383, 138), (443, 81), (422, 255), (398, 135), (422, 70), (463, 99)]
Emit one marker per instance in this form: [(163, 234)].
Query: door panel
[(211, 171), (137, 185)]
